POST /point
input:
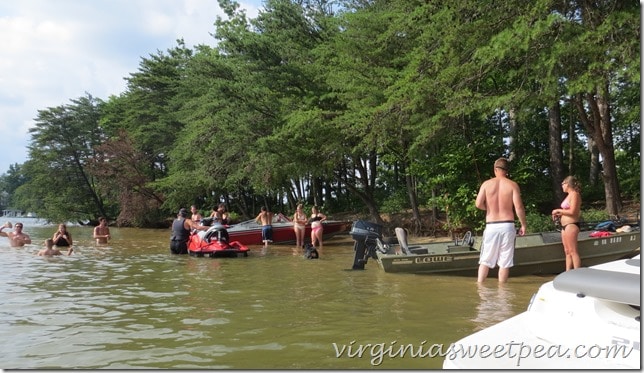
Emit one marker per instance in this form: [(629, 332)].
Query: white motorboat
[(587, 318)]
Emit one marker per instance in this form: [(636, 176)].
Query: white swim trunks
[(498, 245)]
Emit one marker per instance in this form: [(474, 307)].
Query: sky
[(54, 51)]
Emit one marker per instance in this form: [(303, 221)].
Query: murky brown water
[(133, 305)]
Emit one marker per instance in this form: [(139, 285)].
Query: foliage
[(59, 186), (395, 202), (594, 215), (120, 171), (9, 182), (365, 106), (539, 223)]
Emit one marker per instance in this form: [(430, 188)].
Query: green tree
[(143, 124), (58, 186), (362, 105), (9, 182)]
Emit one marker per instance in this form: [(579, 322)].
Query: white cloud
[(55, 51)]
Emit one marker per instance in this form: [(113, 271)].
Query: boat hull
[(540, 253), (250, 233)]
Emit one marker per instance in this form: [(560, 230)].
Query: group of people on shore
[(61, 238), (500, 198)]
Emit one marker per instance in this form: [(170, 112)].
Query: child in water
[(49, 249)]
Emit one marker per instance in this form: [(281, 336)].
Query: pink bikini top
[(565, 205)]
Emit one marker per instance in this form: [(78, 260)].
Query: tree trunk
[(413, 201), (513, 133), (599, 126), (317, 191), (595, 165), (369, 201), (361, 183), (555, 145)]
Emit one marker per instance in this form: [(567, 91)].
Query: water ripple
[(131, 305)]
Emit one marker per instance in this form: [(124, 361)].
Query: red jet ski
[(215, 242)]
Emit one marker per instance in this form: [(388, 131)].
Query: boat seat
[(383, 247), (401, 235), (620, 287)]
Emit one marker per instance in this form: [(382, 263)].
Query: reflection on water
[(131, 304), (495, 304)]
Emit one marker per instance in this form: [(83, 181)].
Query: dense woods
[(359, 105)]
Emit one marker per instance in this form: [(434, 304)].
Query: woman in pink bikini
[(316, 226), (569, 213)]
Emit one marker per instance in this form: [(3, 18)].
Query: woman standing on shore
[(569, 214)]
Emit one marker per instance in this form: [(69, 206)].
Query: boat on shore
[(250, 232), (215, 242), (586, 318), (539, 253)]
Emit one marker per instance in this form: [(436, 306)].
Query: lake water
[(132, 305)]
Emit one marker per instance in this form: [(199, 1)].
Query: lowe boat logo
[(433, 259)]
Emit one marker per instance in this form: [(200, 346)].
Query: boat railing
[(246, 223), (278, 218)]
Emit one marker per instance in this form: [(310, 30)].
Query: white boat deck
[(565, 328)]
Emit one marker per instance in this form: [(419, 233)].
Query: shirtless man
[(500, 197), (220, 215), (196, 216), (265, 218), (102, 231), (16, 238)]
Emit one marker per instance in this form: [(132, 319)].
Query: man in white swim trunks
[(500, 197)]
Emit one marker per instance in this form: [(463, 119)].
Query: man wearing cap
[(181, 227), (500, 197)]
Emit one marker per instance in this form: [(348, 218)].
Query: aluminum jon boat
[(540, 253)]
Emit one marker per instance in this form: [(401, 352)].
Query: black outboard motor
[(364, 234)]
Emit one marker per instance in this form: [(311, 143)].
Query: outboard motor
[(364, 234)]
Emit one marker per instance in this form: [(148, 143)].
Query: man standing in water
[(102, 231), (17, 237), (265, 218), (500, 197), (181, 229)]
